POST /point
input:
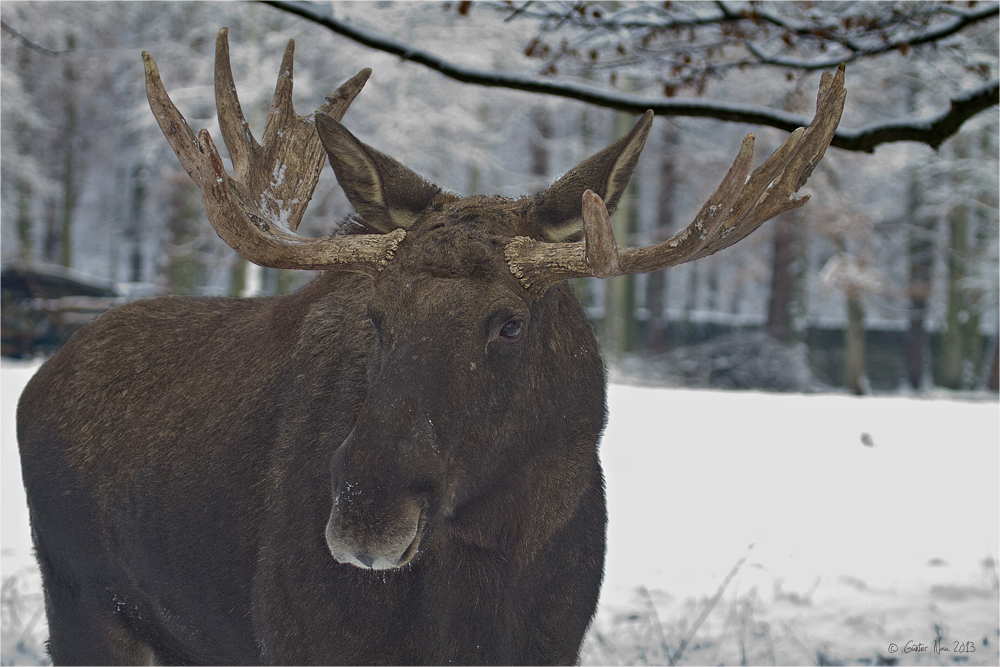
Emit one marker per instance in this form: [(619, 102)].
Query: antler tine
[(282, 111), (258, 212), (178, 133), (736, 208), (280, 173), (772, 188), (232, 123), (712, 216)]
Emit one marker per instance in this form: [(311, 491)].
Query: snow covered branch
[(855, 49), (931, 131), (687, 39)]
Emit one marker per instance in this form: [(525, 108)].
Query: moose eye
[(511, 330)]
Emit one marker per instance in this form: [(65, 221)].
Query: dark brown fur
[(181, 457)]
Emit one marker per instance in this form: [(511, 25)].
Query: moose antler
[(258, 212), (736, 208)]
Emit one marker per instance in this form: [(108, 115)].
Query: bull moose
[(397, 463)]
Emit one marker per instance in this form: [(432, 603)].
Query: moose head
[(456, 280)]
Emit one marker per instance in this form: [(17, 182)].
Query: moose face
[(465, 379), (451, 325)]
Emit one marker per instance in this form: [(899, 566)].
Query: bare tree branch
[(27, 42), (961, 20), (931, 131), (856, 38)]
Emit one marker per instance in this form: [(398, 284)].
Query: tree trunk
[(953, 355), (25, 240), (238, 276), (685, 334), (619, 328), (69, 188), (619, 333), (538, 148), (254, 279), (921, 257), (855, 375), (587, 289), (993, 375), (183, 269), (25, 232), (50, 250), (917, 361), (133, 230), (656, 282), (779, 307), (981, 359)]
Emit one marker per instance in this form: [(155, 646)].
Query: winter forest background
[(886, 280)]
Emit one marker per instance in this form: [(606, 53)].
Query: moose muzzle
[(391, 543), (382, 494)]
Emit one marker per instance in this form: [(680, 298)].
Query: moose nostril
[(365, 559)]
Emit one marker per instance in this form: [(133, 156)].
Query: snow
[(855, 545), (859, 546), (790, 472), (16, 534), (23, 610)]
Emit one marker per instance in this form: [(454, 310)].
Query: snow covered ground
[(856, 546), (22, 627), (874, 524)]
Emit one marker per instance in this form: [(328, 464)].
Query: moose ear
[(385, 194), (607, 173)]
